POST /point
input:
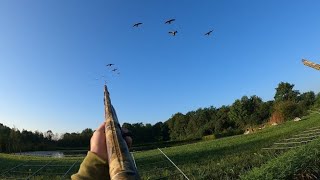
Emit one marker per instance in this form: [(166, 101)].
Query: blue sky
[(52, 51)]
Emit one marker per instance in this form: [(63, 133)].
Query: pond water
[(55, 154)]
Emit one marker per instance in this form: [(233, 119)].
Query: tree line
[(244, 113), (14, 140), (230, 120)]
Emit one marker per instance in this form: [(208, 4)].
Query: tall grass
[(301, 163)]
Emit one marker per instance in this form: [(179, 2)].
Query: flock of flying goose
[(136, 25), (173, 33), (113, 69)]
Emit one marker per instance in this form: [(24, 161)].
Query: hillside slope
[(225, 158)]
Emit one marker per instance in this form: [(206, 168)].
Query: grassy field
[(226, 158), (301, 163), (57, 168)]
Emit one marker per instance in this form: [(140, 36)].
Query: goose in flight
[(169, 21), (110, 65), (114, 70), (173, 33), (208, 33), (137, 24)]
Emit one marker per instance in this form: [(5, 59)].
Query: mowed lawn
[(225, 158)]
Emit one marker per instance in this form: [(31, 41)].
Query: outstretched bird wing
[(169, 21), (173, 32), (137, 24), (208, 33)]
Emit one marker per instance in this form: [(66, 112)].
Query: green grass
[(301, 163), (57, 165), (226, 158)]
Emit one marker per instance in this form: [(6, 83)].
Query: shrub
[(209, 137), (286, 110), (276, 117)]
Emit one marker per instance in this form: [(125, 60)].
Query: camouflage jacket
[(92, 167)]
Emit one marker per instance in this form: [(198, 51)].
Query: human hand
[(98, 142), (128, 139)]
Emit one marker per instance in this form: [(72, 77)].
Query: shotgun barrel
[(121, 164), (311, 64)]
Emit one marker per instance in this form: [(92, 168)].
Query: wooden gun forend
[(121, 165)]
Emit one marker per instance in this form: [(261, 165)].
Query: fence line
[(134, 161), (173, 164), (297, 140), (18, 172), (13, 168), (69, 169), (38, 170)]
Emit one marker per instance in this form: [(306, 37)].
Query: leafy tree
[(223, 122), (289, 109), (14, 141), (85, 137), (177, 125), (143, 133), (196, 123), (264, 112), (4, 137), (285, 92), (127, 125), (307, 99), (49, 134), (317, 101), (209, 127), (247, 111), (165, 132), (238, 113), (157, 131)]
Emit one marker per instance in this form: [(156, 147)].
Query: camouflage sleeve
[(92, 167)]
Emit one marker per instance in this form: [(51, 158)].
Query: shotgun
[(311, 64), (121, 164)]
